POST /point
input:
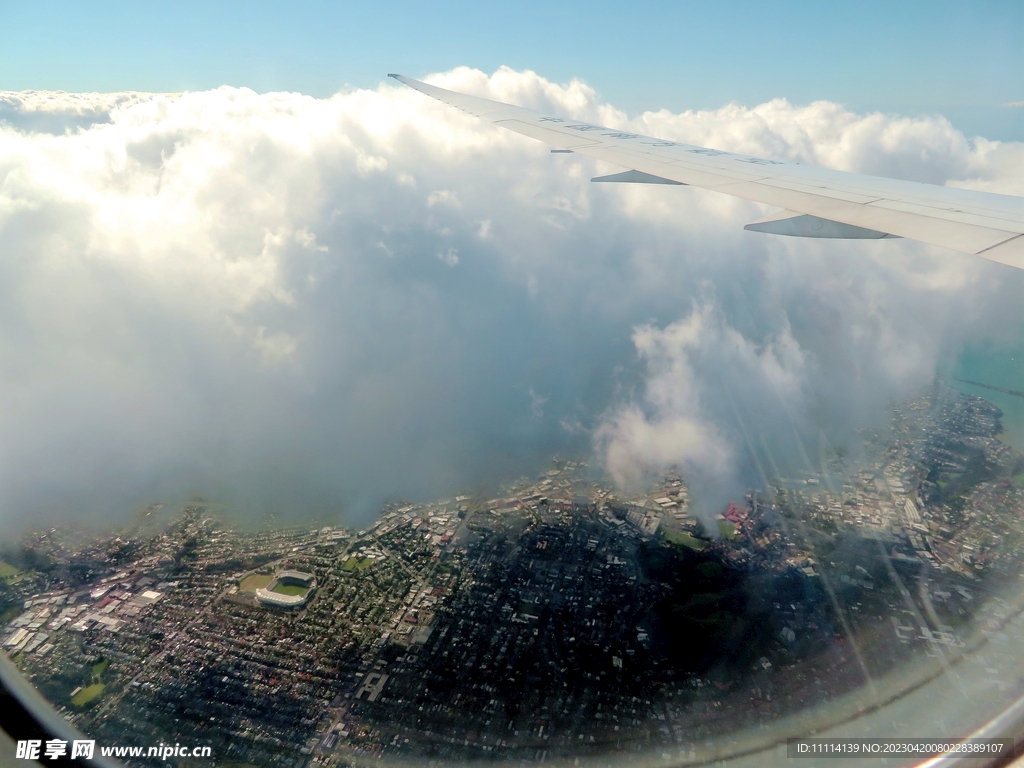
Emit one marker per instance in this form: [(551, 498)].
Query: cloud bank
[(313, 305)]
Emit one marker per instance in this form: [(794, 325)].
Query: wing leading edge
[(815, 202)]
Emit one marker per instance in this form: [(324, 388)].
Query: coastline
[(1001, 368)]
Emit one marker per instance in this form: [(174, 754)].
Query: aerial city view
[(558, 619)]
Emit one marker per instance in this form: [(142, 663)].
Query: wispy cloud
[(1014, 104)]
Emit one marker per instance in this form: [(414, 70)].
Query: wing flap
[(1009, 252)]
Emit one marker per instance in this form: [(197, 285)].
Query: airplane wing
[(814, 202)]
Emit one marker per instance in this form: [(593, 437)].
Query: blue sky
[(965, 60)]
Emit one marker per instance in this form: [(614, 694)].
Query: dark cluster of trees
[(716, 616)]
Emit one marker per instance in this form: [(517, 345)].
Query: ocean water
[(997, 366)]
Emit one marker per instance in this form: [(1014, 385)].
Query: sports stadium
[(289, 589)]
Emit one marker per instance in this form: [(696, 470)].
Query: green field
[(255, 581), (7, 570), (99, 668), (681, 537), (10, 613), (87, 694), (357, 563), (727, 530), (19, 576), (289, 589)]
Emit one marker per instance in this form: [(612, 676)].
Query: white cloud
[(537, 405), (668, 426), (370, 164), (247, 295), (443, 197), (449, 257), (672, 423)]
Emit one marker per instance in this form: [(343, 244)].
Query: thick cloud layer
[(304, 305)]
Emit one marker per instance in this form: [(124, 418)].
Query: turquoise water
[(997, 366)]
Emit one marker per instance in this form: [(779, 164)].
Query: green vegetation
[(19, 576), (81, 682), (684, 539), (9, 613), (255, 581), (727, 530), (710, 570), (7, 570), (713, 614), (355, 563), (289, 589), (956, 488), (87, 694)]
